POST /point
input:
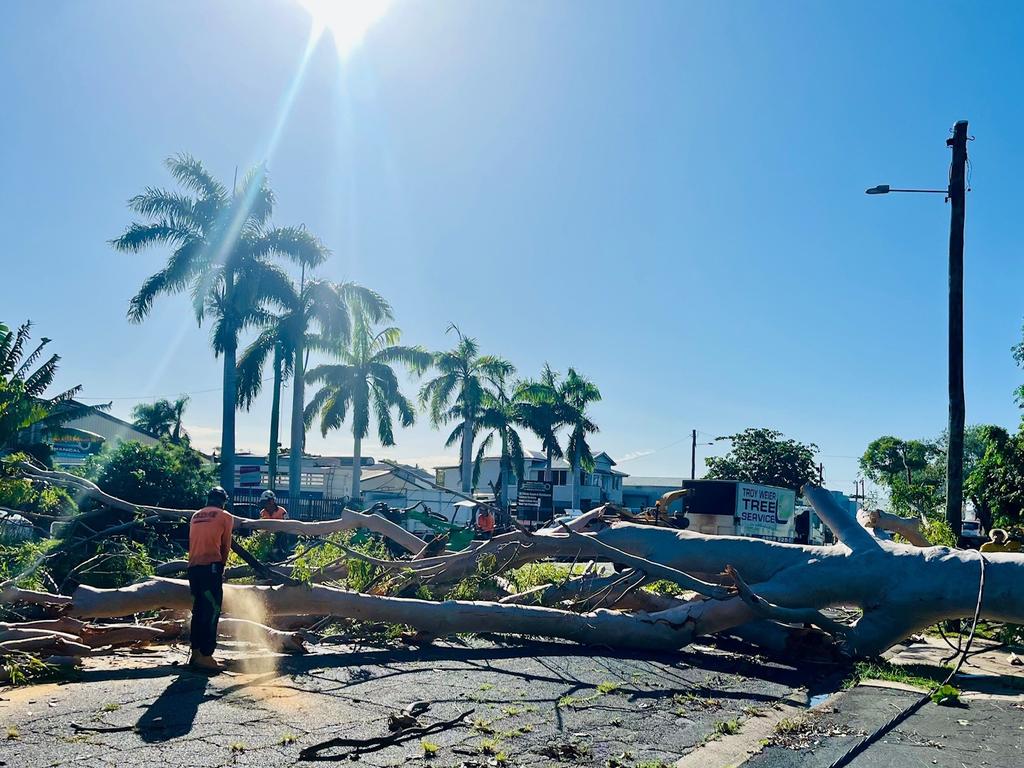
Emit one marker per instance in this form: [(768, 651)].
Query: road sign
[(534, 499)]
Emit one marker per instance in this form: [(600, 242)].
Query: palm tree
[(327, 307), (544, 412), (457, 393), (162, 418), (574, 395), (501, 413), (222, 250), (27, 413), (271, 343), (363, 377)]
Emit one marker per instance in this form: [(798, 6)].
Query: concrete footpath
[(985, 729)]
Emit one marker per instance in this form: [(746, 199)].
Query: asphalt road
[(533, 704)]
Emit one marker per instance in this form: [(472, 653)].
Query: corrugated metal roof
[(665, 482)]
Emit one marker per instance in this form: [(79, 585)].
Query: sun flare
[(346, 20)]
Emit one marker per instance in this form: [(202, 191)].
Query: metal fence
[(306, 509)]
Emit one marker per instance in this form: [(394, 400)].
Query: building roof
[(537, 456), (658, 482)]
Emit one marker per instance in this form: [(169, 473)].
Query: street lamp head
[(881, 189)]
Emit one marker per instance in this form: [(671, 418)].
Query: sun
[(347, 20)]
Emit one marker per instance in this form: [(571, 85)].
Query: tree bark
[(575, 486), (349, 519), (357, 466), (227, 438), (467, 455), (275, 423), (298, 429)]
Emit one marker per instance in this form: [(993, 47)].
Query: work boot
[(193, 657), (206, 663)]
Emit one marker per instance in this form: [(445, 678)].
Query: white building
[(85, 436), (323, 477), (602, 485)]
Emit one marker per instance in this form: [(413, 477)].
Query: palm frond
[(192, 174)]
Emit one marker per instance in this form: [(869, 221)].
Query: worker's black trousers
[(206, 583)]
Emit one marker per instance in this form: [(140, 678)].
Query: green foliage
[(538, 574), (456, 394), (24, 404), (260, 544), (664, 587), (24, 669), (121, 562), (913, 472), (727, 727), (946, 695), (162, 418), (918, 675), (937, 531), (429, 749), (312, 555), (20, 494), (19, 562), (996, 483), (364, 378), (163, 475), (760, 455), (470, 588)]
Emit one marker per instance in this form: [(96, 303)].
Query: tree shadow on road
[(174, 711)]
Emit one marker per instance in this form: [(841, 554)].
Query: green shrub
[(539, 574), (20, 561), (161, 475)]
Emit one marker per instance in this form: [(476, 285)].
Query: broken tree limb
[(784, 615), (46, 646), (598, 548), (907, 527), (349, 519), (375, 744), (9, 593), (899, 588)]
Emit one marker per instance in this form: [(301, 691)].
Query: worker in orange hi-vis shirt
[(271, 510), (209, 542), (485, 523)]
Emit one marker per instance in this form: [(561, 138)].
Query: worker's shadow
[(174, 711)]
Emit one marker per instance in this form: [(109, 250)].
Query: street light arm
[(884, 189)]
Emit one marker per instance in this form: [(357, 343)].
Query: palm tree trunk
[(504, 476), (275, 424), (467, 455), (357, 465), (298, 430), (575, 486), (227, 429)]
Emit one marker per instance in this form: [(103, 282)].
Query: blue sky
[(666, 195)]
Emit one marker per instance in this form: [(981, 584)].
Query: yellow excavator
[(658, 514)]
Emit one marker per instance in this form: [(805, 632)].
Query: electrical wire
[(170, 394), (847, 757)]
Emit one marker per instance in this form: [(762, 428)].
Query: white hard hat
[(268, 495)]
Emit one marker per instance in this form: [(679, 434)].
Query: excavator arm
[(662, 504)]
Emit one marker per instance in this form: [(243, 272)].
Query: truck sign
[(765, 512)]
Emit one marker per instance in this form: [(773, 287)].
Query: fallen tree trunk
[(899, 588)]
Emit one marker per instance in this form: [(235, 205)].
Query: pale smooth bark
[(349, 519)]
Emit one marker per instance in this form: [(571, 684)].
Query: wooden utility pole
[(957, 408), (693, 455)]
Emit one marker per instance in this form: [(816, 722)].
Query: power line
[(170, 394)]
